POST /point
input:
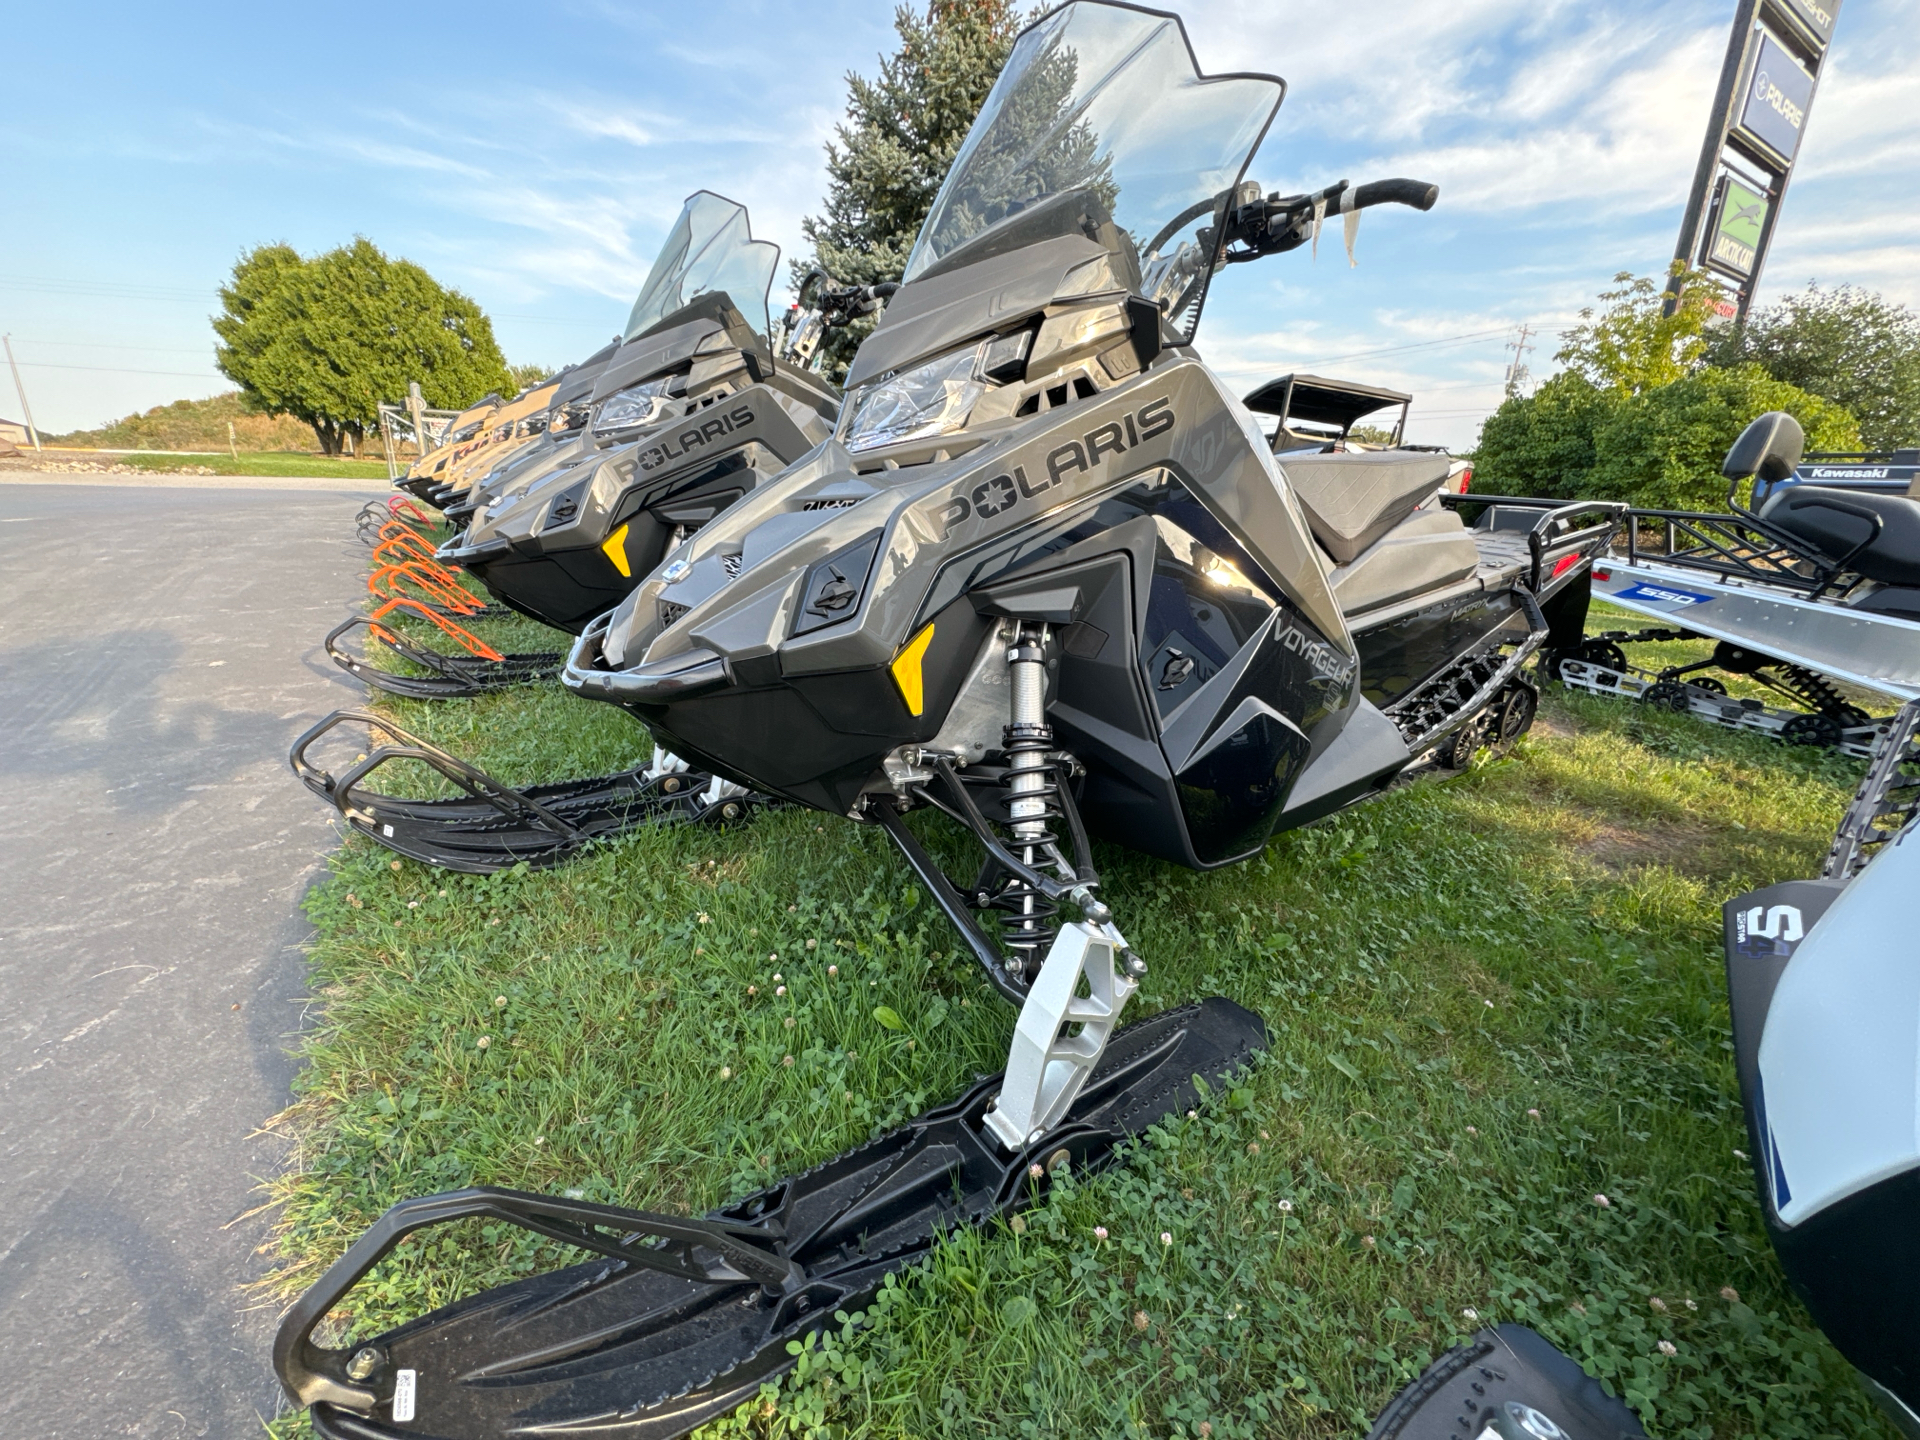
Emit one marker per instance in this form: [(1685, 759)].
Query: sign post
[(1767, 84)]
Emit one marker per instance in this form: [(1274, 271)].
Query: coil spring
[(1034, 918), (1816, 690)]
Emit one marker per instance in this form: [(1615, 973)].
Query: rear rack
[(494, 826), (1554, 544)]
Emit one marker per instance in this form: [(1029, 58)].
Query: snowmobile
[(562, 528), (460, 433), (1046, 573), (1810, 585), (1313, 413), (1506, 1383), (692, 412), (566, 418), (1825, 1004)]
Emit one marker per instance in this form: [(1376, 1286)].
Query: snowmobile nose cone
[(677, 571)]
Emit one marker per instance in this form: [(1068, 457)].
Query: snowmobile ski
[(449, 676), (491, 826), (675, 1321)]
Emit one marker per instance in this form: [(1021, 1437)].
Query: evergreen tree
[(326, 340), (902, 130)]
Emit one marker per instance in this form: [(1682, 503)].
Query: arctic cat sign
[(1733, 233)]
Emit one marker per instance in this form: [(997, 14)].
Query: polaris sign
[(1778, 95)]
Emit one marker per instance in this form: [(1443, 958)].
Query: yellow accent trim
[(616, 547), (906, 671)]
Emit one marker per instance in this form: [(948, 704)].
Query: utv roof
[(1320, 401)]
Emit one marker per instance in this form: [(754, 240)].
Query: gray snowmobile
[(1046, 573), (692, 412), (637, 449)]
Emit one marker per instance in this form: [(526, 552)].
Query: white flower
[(726, 1072), (1286, 1207), (1666, 1347), (1166, 1237), (1470, 1314), (833, 970), (1034, 1172), (779, 989), (1603, 1202), (483, 1042), (1100, 1233)]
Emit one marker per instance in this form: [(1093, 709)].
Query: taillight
[(1466, 480)]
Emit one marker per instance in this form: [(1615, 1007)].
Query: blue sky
[(532, 156)]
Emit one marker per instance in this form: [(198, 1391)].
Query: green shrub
[(1542, 444), (1662, 449)]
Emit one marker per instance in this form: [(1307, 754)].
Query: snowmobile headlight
[(636, 405), (933, 398)]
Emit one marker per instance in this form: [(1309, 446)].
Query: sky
[(533, 155)]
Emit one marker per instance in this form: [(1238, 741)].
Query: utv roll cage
[(1318, 412)]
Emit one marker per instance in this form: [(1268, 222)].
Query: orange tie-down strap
[(441, 590), (461, 636)]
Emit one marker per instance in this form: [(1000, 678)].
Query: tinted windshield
[(710, 248), (1100, 122)]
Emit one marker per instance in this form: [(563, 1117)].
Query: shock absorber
[(1030, 791)]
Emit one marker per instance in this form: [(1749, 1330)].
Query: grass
[(271, 462), (1491, 1001)]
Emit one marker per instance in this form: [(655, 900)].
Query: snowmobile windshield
[(1101, 123), (710, 250)]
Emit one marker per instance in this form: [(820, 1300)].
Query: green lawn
[(272, 462), (1491, 1001)]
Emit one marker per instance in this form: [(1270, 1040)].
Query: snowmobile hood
[(1033, 363)]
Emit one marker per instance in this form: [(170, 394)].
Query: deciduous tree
[(326, 340)]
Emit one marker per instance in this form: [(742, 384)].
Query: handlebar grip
[(1417, 193)]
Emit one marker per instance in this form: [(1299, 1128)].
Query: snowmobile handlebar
[(1276, 223), (840, 305)]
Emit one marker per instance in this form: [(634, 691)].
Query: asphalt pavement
[(159, 650)]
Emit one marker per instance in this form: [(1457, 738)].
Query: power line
[(121, 370)]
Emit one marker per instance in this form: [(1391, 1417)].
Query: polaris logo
[(695, 437), (1765, 89), (1001, 493)]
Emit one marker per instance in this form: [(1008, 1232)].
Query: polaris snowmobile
[(559, 441), (1825, 1002), (561, 528), (1812, 584), (692, 412), (1046, 573), (1048, 576)]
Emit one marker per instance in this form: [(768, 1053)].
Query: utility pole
[(21, 391), (1521, 348)]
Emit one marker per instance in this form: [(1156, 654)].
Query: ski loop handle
[(744, 1254)]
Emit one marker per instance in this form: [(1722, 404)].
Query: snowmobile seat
[(1352, 498), (1429, 549), (1831, 522)]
